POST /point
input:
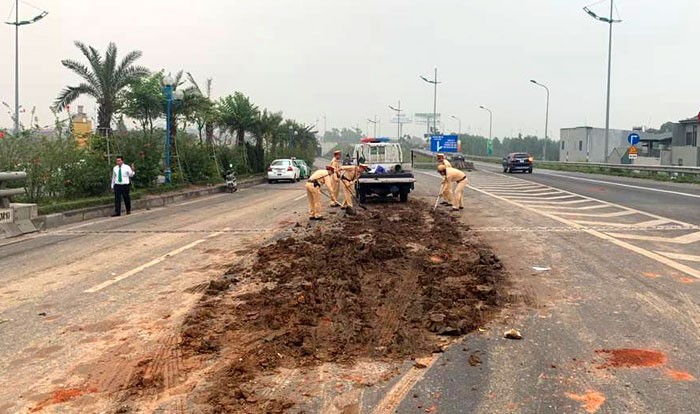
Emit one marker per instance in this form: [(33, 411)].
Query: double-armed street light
[(17, 23), (374, 122), (435, 84), (609, 21), (398, 119)]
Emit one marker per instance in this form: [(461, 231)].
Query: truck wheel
[(403, 195)]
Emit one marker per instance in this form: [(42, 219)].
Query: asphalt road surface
[(610, 319)]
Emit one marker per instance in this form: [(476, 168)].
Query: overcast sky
[(349, 59)]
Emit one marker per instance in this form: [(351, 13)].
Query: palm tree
[(237, 114), (204, 112), (104, 79)]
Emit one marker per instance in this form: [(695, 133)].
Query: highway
[(619, 264)]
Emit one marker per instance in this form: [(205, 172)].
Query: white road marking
[(643, 224), (658, 190), (614, 237), (684, 239), (600, 215), (679, 256), (300, 197), (609, 237), (536, 197), (555, 207), (544, 201), (152, 263)]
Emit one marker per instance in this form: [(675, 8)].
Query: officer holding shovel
[(446, 186), (453, 175), (349, 174), (313, 190)]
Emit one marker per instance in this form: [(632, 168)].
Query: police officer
[(349, 174), (453, 175), (446, 187), (313, 191), (334, 183)]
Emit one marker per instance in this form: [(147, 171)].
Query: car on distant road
[(518, 161), (283, 169), (304, 169)]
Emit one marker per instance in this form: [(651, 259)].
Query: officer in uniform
[(453, 175), (313, 190), (446, 187)]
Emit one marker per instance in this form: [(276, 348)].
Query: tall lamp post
[(435, 84), (490, 119), (170, 95), (17, 23), (460, 124), (375, 125), (398, 119), (546, 120), (609, 21)]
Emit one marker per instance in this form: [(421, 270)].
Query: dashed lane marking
[(151, 263)]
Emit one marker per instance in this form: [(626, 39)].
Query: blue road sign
[(633, 138), (443, 143)]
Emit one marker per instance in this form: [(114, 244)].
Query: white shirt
[(127, 173)]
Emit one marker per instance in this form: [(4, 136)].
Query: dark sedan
[(518, 161)]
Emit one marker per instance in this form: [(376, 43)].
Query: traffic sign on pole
[(632, 153), (633, 138), (444, 143)]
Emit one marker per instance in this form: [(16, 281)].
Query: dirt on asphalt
[(387, 285)]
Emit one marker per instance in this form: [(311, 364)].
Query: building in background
[(685, 150), (81, 126), (586, 144)]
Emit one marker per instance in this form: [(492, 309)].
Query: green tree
[(237, 114), (103, 79), (144, 101)]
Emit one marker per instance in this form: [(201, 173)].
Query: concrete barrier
[(15, 218)]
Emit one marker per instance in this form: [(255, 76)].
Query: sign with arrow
[(444, 143)]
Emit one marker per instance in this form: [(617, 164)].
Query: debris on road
[(512, 334), (541, 268), (339, 294)]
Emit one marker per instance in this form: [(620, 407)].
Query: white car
[(283, 169)]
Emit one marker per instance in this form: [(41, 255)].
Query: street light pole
[(375, 125), (546, 120), (17, 24), (609, 21), (398, 119), (460, 124), (490, 119), (435, 84), (170, 95)]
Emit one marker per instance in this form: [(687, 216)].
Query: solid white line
[(539, 196), (644, 224), (599, 215), (151, 263), (300, 197), (658, 190), (679, 256), (685, 239), (544, 201)]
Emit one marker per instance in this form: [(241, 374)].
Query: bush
[(195, 161), (90, 176)]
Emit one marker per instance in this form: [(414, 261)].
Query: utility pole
[(546, 120), (375, 125)]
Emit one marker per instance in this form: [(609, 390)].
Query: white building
[(587, 144)]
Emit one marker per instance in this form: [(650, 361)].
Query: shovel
[(353, 197), (437, 200)]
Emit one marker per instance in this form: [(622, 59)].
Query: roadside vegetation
[(207, 136)]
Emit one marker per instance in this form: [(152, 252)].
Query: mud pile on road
[(386, 284)]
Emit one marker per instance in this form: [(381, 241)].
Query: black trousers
[(121, 191)]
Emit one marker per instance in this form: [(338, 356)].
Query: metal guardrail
[(671, 170)]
